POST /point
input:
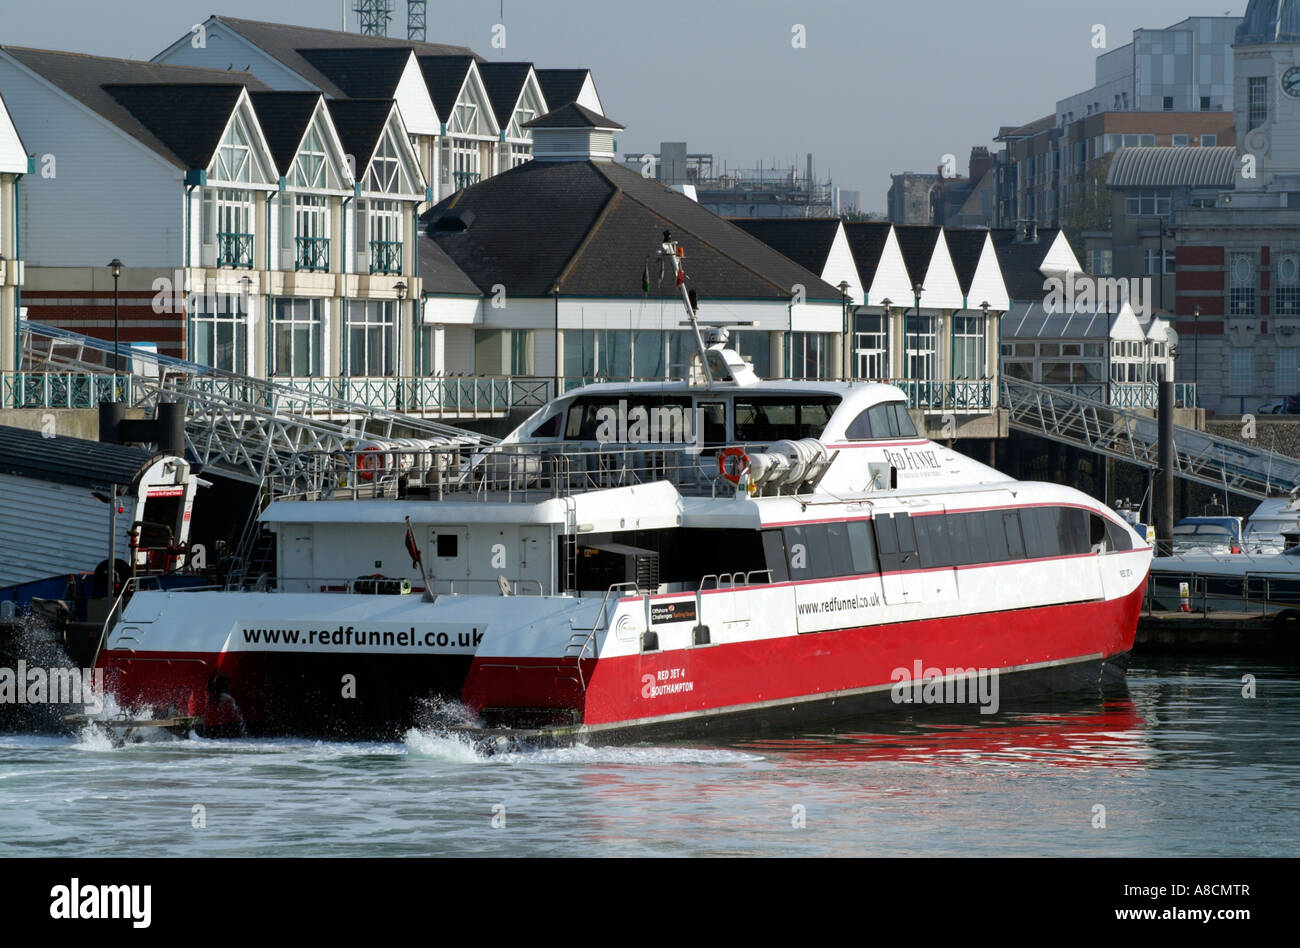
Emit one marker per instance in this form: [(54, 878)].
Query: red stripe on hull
[(710, 678)]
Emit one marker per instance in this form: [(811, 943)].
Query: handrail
[(601, 613)]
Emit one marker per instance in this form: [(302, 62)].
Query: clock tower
[(1266, 98)]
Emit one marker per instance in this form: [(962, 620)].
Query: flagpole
[(419, 561)]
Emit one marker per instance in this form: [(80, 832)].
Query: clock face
[(1291, 82)]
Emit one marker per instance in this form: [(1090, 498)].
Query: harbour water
[(1186, 765)]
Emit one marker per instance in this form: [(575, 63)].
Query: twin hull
[(347, 664)]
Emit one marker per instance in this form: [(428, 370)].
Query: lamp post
[(115, 267), (400, 288), (1196, 356), (848, 336), (888, 306), (917, 290)]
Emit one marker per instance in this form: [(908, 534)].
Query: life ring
[(742, 464), (367, 463)]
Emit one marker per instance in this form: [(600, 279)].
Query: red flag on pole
[(412, 547)]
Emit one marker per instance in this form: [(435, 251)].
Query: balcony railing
[(313, 253), (954, 395), (486, 396), (1130, 394), (464, 179), (235, 250), (385, 256)]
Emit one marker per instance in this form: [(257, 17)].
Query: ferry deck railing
[(501, 473)]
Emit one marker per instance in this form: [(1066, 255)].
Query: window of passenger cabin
[(896, 542), (550, 428), (774, 555), (881, 421), (639, 418), (765, 419)]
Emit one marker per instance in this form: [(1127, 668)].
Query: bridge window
[(885, 420), (765, 419), (550, 428)]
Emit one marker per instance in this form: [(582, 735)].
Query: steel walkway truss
[(241, 427), (1127, 435)]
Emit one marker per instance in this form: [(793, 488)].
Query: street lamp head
[(917, 288), (1196, 312), (985, 306), (844, 287), (115, 266), (400, 287)]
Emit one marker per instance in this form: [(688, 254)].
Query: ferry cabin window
[(763, 419), (715, 423), (550, 428), (886, 420), (1055, 531), (595, 417), (823, 550), (896, 540)]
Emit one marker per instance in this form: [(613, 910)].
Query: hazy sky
[(879, 88)]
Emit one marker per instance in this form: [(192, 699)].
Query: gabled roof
[(365, 73), (505, 84), (562, 86), (867, 241), (573, 115), (86, 78), (285, 43), (1214, 167), (445, 76), (284, 117), (917, 244), (806, 241), (589, 228), (1022, 261), (359, 123), (965, 248), (13, 153), (189, 120)]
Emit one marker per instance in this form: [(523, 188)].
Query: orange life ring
[(367, 464), (741, 467)]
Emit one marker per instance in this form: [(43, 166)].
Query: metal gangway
[(1127, 435), (242, 427)]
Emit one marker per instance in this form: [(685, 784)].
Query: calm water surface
[(1183, 766)]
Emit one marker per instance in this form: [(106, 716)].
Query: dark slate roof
[(573, 115), (189, 120), (504, 83), (867, 241), (285, 43), (917, 244), (1214, 167), (75, 461), (1021, 262), (369, 73), (561, 86), (359, 123), (589, 228), (445, 76), (84, 79), (440, 274), (806, 241), (1269, 21), (284, 117), (965, 246)]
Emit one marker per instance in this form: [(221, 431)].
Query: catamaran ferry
[(646, 558)]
